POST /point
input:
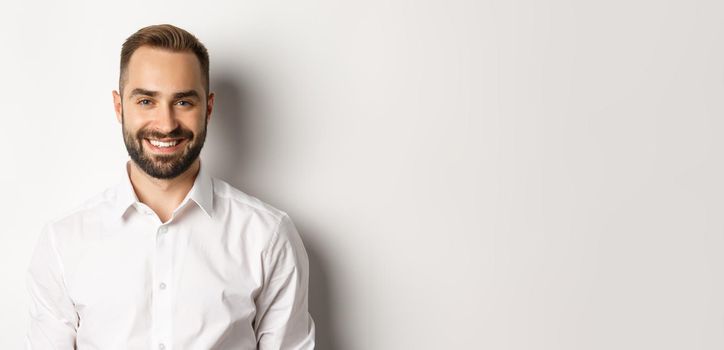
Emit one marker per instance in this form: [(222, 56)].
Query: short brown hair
[(165, 36)]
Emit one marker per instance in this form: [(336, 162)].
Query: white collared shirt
[(226, 271)]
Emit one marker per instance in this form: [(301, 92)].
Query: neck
[(162, 195)]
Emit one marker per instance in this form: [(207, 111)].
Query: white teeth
[(163, 144)]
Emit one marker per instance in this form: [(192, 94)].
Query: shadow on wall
[(235, 128)]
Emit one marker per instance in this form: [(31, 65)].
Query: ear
[(118, 105), (209, 106)]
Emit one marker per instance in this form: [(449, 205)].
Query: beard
[(163, 166)]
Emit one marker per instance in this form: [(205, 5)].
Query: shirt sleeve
[(282, 320), (53, 319)]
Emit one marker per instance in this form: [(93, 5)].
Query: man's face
[(163, 111)]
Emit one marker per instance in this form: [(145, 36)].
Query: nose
[(166, 120)]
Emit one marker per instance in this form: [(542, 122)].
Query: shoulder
[(278, 235), (257, 214), (241, 200), (91, 209)]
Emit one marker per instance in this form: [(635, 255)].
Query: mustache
[(177, 133)]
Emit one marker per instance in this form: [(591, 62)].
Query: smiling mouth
[(164, 146)]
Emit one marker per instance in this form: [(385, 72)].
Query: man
[(170, 258)]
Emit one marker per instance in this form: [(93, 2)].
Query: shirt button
[(161, 346), (162, 285), (163, 229)]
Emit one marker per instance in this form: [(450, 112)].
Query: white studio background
[(465, 174)]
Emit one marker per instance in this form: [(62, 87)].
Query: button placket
[(162, 303)]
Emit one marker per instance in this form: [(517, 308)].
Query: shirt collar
[(201, 192)]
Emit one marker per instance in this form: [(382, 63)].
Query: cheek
[(131, 130), (134, 120), (194, 123)]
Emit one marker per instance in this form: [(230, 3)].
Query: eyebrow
[(184, 94), (138, 91), (181, 94)]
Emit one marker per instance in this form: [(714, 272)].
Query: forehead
[(163, 70)]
